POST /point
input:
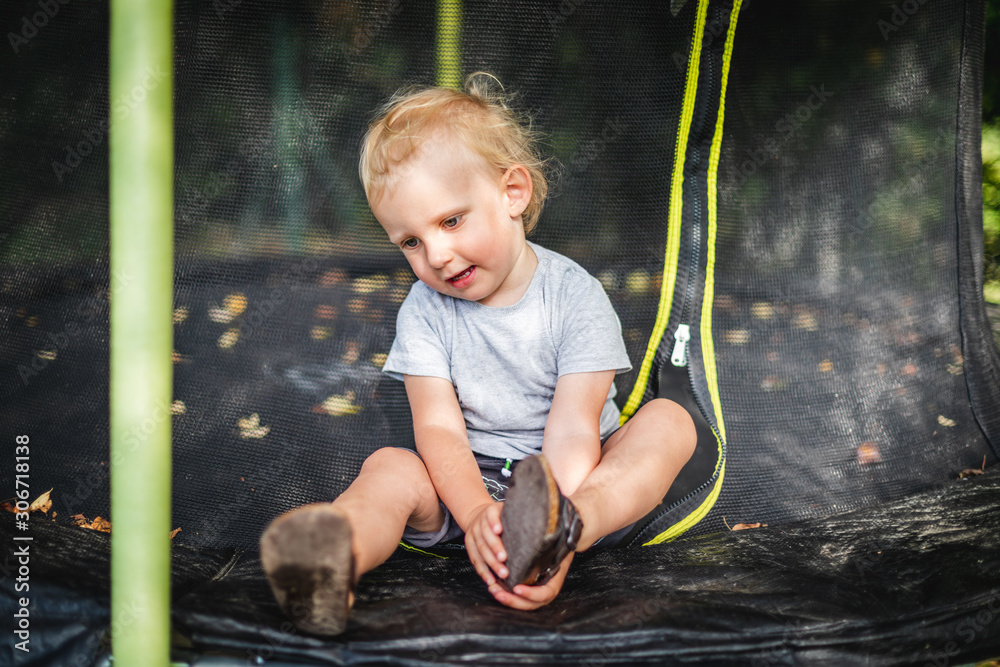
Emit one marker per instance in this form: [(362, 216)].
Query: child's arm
[(443, 444), (572, 445), (572, 440)]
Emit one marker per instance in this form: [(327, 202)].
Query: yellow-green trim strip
[(410, 547), (673, 217), (707, 343), (694, 517), (449, 43)]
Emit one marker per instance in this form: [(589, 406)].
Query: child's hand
[(483, 543), (486, 551), (532, 597)]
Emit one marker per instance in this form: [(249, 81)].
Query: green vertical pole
[(141, 208), (448, 45)]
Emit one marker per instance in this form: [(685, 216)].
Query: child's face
[(459, 228)]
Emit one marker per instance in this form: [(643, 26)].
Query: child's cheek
[(416, 265)]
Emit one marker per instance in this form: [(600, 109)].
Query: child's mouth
[(464, 278)]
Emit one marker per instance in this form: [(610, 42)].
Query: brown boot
[(540, 525), (306, 555)]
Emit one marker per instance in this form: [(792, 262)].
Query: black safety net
[(797, 183)]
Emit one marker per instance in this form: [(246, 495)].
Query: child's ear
[(516, 185)]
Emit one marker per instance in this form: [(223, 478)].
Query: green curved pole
[(449, 43), (141, 209)]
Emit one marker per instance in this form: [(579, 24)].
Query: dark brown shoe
[(306, 555), (540, 525)]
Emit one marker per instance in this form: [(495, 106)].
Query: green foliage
[(991, 210), (991, 154)]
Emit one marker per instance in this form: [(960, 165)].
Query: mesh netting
[(839, 342), (837, 329), (836, 319), (286, 288)]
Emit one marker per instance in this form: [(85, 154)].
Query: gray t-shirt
[(504, 361)]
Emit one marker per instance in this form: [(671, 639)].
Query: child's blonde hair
[(480, 117)]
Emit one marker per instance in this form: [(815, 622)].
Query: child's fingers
[(523, 597), (492, 538), (493, 513), (476, 553), (532, 597), (490, 550), (536, 594), (478, 563)]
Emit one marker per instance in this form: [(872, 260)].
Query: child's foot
[(540, 525), (306, 555)]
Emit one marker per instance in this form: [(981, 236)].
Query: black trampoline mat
[(907, 582)]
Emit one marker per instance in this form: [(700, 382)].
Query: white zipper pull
[(681, 338)]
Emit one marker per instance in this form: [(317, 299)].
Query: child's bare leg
[(638, 464), (392, 490), (314, 555)]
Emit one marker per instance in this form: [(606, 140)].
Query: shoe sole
[(306, 555), (530, 514)]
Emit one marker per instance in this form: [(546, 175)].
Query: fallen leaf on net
[(250, 427), (969, 472), (868, 454), (98, 523), (747, 526), (340, 405), (42, 503), (173, 533)]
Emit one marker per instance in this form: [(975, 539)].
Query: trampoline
[(781, 199)]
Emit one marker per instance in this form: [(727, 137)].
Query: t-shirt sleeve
[(420, 346), (590, 336)]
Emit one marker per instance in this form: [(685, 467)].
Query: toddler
[(508, 353)]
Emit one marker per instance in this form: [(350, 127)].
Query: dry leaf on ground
[(98, 523), (42, 503), (747, 526), (868, 454)]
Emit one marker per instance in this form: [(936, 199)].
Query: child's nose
[(438, 254)]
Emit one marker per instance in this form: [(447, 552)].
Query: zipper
[(679, 356), (704, 485), (683, 329)]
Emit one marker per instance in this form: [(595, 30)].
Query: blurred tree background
[(306, 202), (991, 153)]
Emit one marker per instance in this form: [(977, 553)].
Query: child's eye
[(410, 243), (453, 222)]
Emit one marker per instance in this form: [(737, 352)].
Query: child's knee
[(392, 459), (678, 422), (394, 468)]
